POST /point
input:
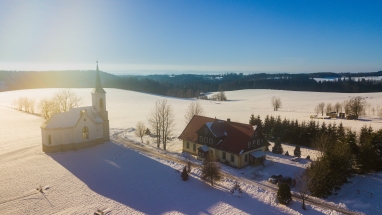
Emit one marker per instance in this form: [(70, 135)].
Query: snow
[(70, 118), (115, 178), (258, 154)]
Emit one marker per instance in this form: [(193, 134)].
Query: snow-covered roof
[(217, 128), (70, 118), (204, 148), (257, 154)]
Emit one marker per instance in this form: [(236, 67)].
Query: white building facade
[(80, 127)]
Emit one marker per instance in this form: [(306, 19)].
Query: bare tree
[(357, 106), (32, 104), (211, 169), (276, 103), (47, 108), (220, 96), (155, 122), (322, 143), (140, 130), (162, 121), (317, 110), (193, 109), (320, 108), (328, 108), (302, 181), (379, 112), (346, 107), (168, 121), (66, 99), (338, 107)]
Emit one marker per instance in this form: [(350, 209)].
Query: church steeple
[(98, 87)]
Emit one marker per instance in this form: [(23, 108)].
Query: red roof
[(237, 135)]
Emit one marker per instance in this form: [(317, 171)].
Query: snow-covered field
[(120, 180)]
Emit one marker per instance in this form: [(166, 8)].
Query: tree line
[(188, 85), (60, 102)]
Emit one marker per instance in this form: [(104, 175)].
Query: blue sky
[(192, 36)]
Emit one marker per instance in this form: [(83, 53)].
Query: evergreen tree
[(252, 120), (283, 194), (185, 174), (210, 169), (297, 151), (277, 148)]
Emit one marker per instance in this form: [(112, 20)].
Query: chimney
[(228, 120)]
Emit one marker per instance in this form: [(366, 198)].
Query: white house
[(80, 127)]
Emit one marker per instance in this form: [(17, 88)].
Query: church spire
[(98, 88)]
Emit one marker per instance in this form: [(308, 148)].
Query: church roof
[(98, 87), (70, 118)]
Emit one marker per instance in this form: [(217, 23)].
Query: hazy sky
[(179, 35)]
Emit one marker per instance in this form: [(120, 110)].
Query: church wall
[(58, 136), (95, 130)]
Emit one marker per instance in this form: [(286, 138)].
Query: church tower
[(99, 104)]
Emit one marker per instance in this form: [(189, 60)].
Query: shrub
[(283, 194), (185, 174)]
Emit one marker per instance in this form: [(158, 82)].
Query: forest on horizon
[(192, 85)]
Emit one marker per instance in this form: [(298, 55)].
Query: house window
[(194, 147), (205, 139), (211, 142), (253, 143), (246, 158), (224, 155), (85, 133), (188, 145), (258, 141), (232, 158), (101, 102), (201, 139), (249, 144), (49, 139)]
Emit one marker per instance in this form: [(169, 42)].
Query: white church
[(80, 127)]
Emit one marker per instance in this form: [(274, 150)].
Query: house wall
[(190, 149), (239, 160)]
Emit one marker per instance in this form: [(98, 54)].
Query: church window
[(200, 139), (211, 141), (258, 141), (205, 139), (101, 102), (249, 144), (49, 139), (85, 133)]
